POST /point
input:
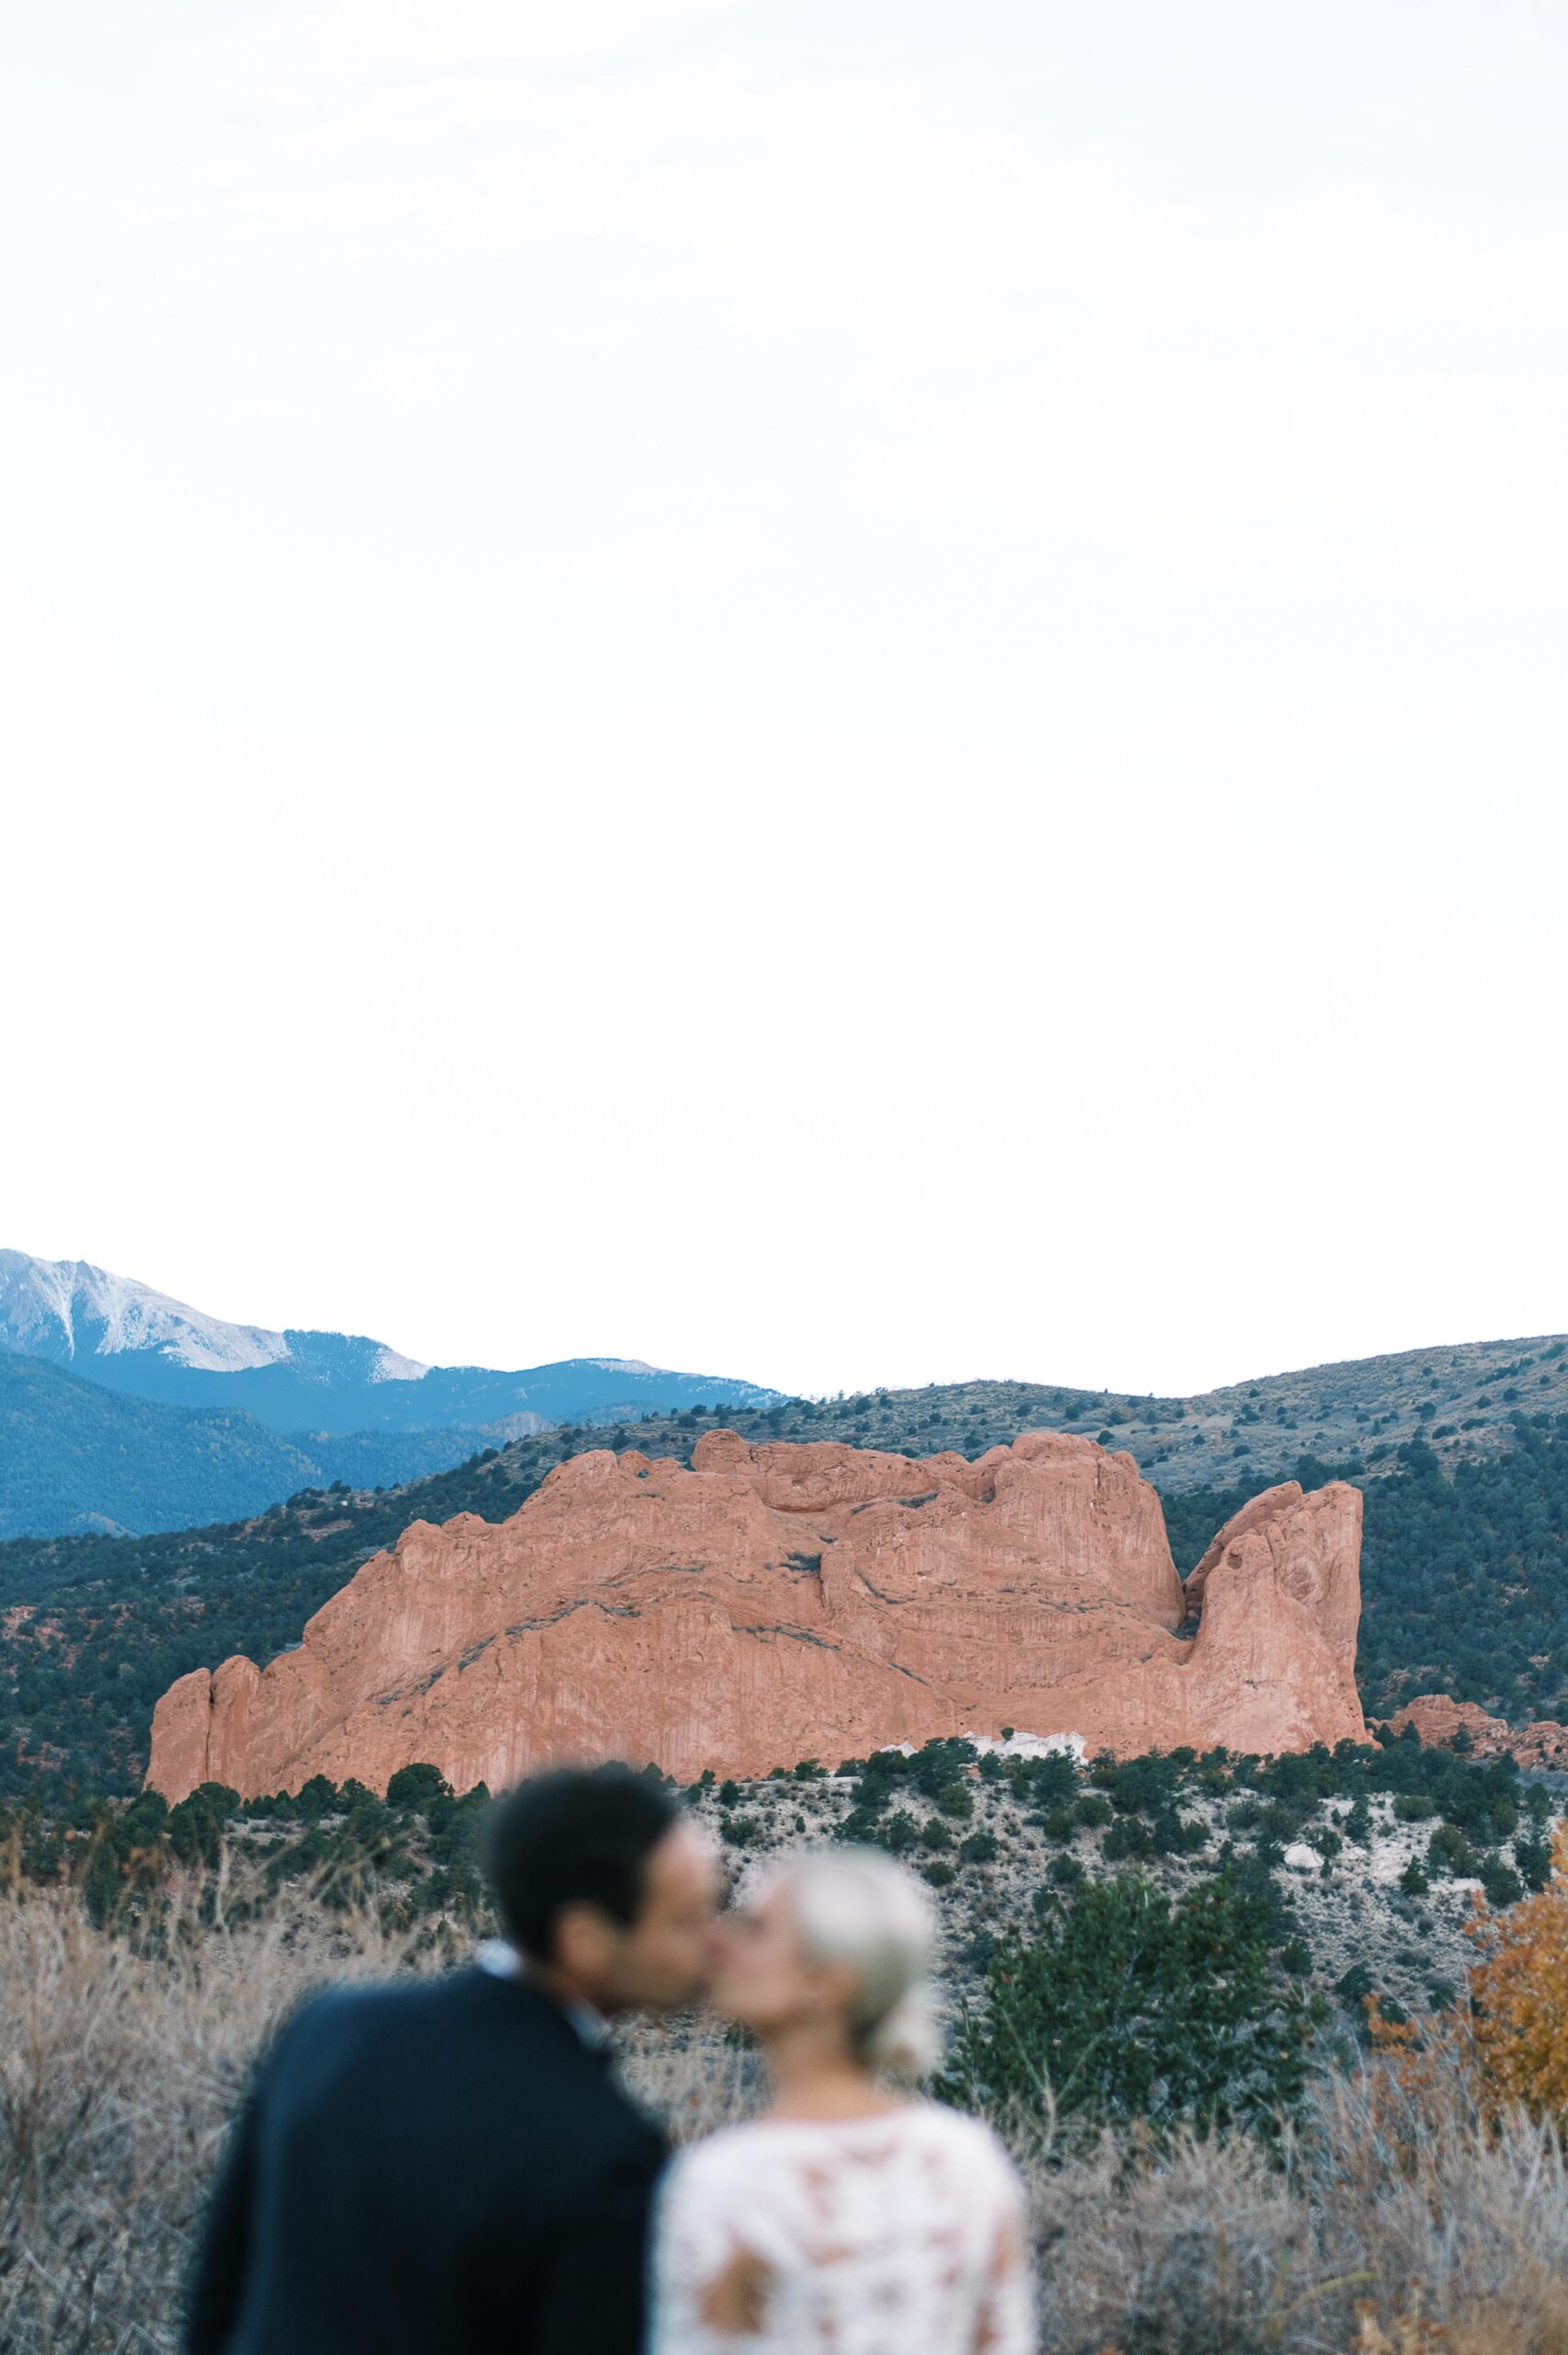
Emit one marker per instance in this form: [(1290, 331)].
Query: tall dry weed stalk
[(1404, 2218)]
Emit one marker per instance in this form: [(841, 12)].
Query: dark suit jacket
[(443, 2168)]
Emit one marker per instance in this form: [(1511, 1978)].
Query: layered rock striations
[(779, 1602)]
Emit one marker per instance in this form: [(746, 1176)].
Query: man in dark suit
[(446, 2166)]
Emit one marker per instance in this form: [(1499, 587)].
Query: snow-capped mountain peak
[(59, 1308), (122, 1336), (67, 1309)]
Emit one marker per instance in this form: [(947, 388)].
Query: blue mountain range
[(344, 1406)]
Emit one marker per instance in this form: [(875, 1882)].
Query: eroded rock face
[(781, 1603)]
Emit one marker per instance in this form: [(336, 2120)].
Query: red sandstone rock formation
[(1255, 1515), (1437, 1718), (781, 1603)]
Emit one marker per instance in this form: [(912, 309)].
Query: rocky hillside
[(1461, 1400), (1464, 1566), (1375, 1858)]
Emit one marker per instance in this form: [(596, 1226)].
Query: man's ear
[(585, 1943)]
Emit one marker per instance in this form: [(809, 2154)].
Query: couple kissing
[(448, 2167)]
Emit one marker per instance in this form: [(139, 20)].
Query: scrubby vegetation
[(1126, 2003), (1464, 1577), (1357, 1866), (411, 1854), (1225, 2149)]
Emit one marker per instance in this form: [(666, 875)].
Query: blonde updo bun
[(856, 1906)]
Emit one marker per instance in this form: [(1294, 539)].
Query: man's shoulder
[(446, 2004), (368, 2007), (461, 2030)]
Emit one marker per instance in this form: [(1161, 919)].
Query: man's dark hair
[(579, 1836)]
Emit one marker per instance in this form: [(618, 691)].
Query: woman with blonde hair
[(850, 2218)]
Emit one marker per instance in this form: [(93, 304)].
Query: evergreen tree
[(1127, 2005)]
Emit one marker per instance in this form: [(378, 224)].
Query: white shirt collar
[(498, 1959)]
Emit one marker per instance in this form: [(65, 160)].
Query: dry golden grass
[(1402, 2222), (119, 2070)]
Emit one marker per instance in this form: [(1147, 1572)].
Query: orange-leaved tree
[(1519, 1997)]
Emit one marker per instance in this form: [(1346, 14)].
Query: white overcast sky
[(864, 692)]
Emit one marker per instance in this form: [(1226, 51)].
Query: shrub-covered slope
[(1460, 1401), (1364, 1861), (1464, 1580), (76, 1457)]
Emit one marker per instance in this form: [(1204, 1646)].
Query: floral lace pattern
[(875, 2236)]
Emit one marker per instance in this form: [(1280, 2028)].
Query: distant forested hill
[(75, 1456), (1461, 1401), (1464, 1576)]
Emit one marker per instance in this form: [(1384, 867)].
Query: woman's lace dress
[(901, 2234)]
